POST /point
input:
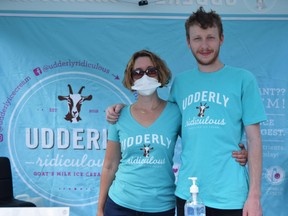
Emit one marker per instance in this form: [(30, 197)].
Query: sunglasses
[(139, 73)]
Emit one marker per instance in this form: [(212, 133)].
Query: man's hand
[(113, 112), (241, 156), (252, 207), (99, 213)]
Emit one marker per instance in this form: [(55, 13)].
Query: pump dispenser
[(194, 205)]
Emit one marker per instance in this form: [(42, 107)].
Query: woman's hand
[(241, 156)]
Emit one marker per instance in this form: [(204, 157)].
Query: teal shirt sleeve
[(253, 109)]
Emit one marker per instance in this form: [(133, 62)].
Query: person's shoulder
[(125, 108), (173, 112), (187, 72), (173, 106), (125, 111), (184, 74), (237, 69)]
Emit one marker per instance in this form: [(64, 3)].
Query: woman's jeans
[(113, 209)]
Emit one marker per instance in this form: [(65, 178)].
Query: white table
[(35, 211)]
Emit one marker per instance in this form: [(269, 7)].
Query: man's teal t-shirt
[(145, 180), (215, 107)]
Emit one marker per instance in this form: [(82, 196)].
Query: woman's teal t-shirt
[(145, 180)]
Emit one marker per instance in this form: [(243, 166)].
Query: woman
[(137, 169)]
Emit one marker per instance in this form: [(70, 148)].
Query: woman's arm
[(241, 156), (110, 166)]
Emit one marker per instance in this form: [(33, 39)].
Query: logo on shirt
[(204, 97), (146, 150), (202, 109)]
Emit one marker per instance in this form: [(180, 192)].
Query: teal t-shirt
[(145, 180), (215, 107)]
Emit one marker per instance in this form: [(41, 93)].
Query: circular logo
[(275, 175), (57, 135), (260, 6)]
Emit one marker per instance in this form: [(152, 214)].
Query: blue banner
[(47, 62)]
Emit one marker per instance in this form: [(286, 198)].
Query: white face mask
[(146, 86)]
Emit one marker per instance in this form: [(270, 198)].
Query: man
[(218, 103)]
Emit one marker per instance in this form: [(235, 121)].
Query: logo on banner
[(59, 154), (260, 6), (275, 175), (74, 102)]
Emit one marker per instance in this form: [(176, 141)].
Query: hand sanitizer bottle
[(194, 206)]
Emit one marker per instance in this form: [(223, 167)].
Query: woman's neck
[(148, 104), (147, 109)]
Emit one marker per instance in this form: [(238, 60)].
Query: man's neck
[(211, 67)]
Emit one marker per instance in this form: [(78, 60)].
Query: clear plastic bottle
[(194, 205)]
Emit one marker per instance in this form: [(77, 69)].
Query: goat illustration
[(146, 150), (202, 109), (74, 104)]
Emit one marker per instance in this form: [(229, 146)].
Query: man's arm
[(113, 112), (252, 205)]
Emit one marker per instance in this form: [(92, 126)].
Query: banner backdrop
[(52, 66)]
